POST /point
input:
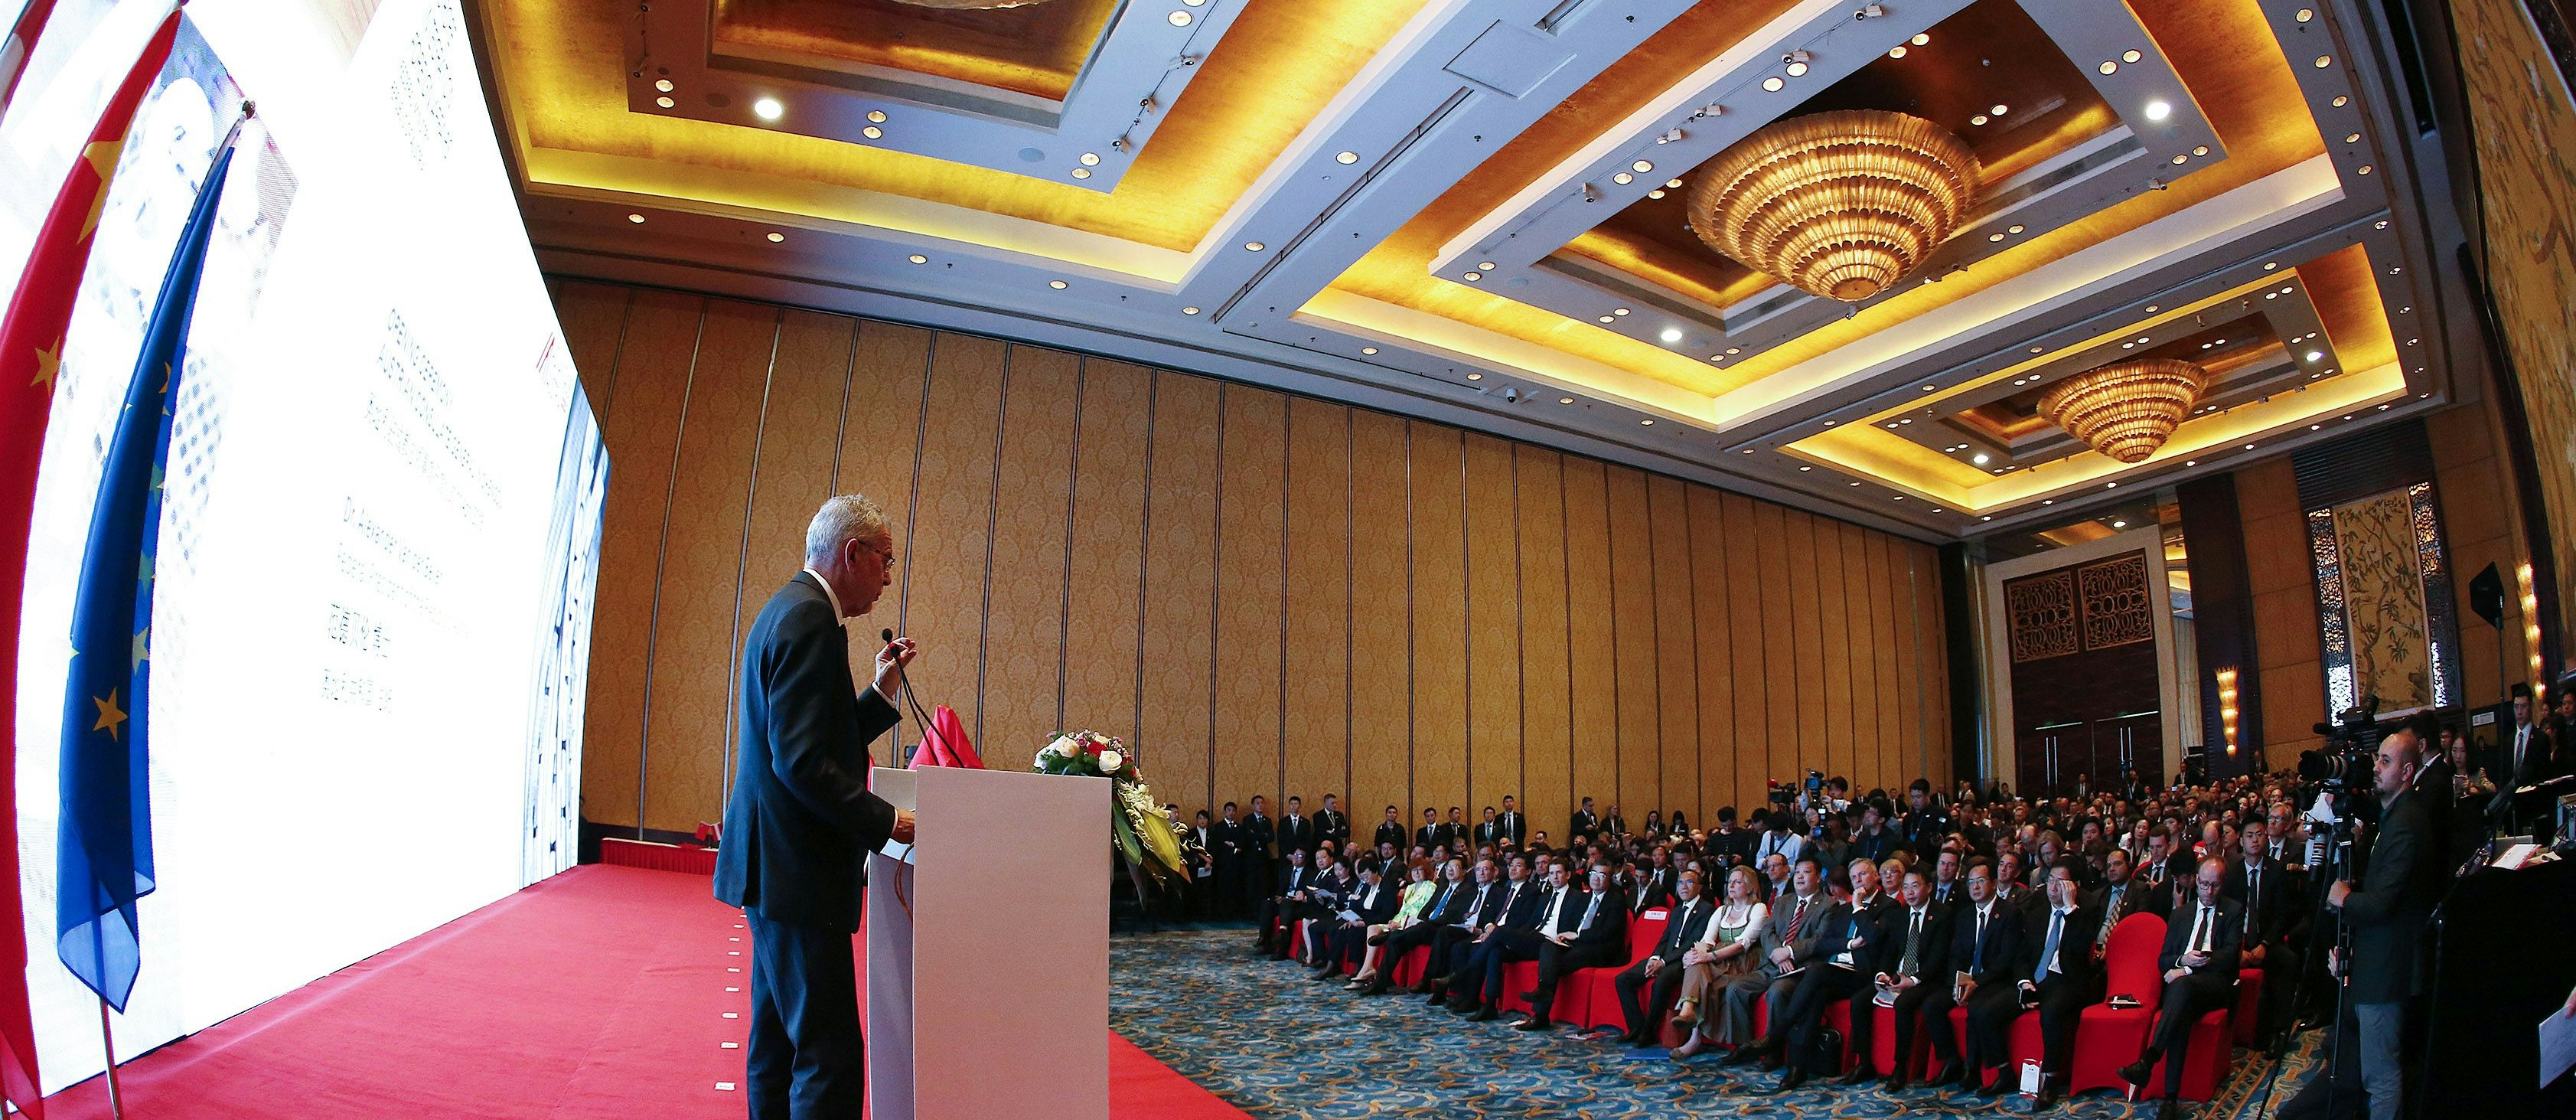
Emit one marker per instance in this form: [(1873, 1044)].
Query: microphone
[(903, 678)]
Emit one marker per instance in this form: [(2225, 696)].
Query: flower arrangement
[(1136, 825)]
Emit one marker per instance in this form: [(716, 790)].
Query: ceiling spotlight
[(1733, 350), (2352, 138), (1649, 421), (2158, 110), (2316, 427), (917, 258), (1672, 184), (1671, 334), (1189, 311), (2200, 150), (2130, 56), (1056, 284), (2306, 14), (1855, 484), (2324, 61), (1641, 167), (1929, 388), (1082, 173), (1997, 110), (768, 109), (2249, 447), (1978, 119), (1772, 84), (1179, 19), (1900, 497), (1907, 420), (1475, 377), (775, 238), (1091, 159), (1487, 266), (872, 132), (1621, 311), (876, 116), (2048, 501), (1473, 275), (2380, 224), (1607, 319), (1896, 52), (2270, 265), (2034, 349), (1994, 237), (1347, 157), (2013, 229), (1655, 193), (638, 219), (1980, 458), (2315, 355), (664, 102), (2340, 102), (2191, 462), (1623, 178), (1921, 39), (2109, 67), (1368, 349), (1253, 246), (1797, 69), (1806, 468), (664, 85), (2119, 524), (1565, 400), (1988, 517)]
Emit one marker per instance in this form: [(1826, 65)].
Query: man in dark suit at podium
[(802, 818)]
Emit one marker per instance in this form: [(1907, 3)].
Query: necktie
[(1588, 911), (1796, 917), (2048, 949), (2200, 929), (2253, 899), (1977, 956), (2110, 915), (1913, 937), (1683, 923)]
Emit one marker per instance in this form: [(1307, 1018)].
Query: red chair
[(2108, 1037), (1574, 989), (1594, 992), (1408, 971), (2249, 1004)]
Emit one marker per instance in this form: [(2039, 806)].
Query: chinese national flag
[(31, 348)]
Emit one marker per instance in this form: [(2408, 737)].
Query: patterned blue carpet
[(1276, 1045)]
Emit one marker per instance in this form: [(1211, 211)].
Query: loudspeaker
[(2486, 596)]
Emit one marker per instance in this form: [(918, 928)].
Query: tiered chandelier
[(2126, 410), (1842, 204)]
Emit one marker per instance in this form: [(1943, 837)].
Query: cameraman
[(2386, 916)]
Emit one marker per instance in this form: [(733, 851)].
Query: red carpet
[(599, 993)]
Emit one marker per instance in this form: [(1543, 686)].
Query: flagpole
[(107, 1039)]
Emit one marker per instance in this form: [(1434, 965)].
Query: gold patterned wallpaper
[(2525, 121)]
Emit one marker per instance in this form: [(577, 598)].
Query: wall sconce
[(2531, 635), (2227, 708)]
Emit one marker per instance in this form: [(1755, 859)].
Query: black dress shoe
[(1769, 1062), (1948, 1074), (1791, 1080), (1465, 1006), (1862, 1076), (2048, 1096), (1485, 1014), (1996, 1088), (1744, 1054), (2135, 1073), (1896, 1082), (1376, 987), (1533, 1023)]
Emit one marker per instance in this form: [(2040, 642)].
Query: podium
[(988, 948)]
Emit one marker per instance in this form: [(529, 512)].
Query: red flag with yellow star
[(31, 348)]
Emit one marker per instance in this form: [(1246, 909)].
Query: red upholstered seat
[(1591, 995), (2249, 1004), (2107, 1037), (1407, 972)]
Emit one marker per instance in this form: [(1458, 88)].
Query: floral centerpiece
[(1136, 824)]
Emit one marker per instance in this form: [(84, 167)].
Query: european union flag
[(104, 859)]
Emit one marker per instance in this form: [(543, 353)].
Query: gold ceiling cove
[(1842, 204), (2126, 410), (969, 5)]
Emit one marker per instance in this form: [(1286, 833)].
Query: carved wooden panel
[(2116, 607), (2041, 614)]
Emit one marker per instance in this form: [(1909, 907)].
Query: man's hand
[(2193, 960), (2177, 973), (1783, 956), (1694, 958), (903, 826), (1653, 964), (2341, 890), (2253, 957), (890, 663)]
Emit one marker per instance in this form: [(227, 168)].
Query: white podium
[(988, 949)]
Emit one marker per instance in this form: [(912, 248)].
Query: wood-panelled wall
[(1263, 593)]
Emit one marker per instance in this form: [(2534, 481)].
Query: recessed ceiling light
[(1923, 38), (775, 237), (1648, 421), (1806, 468), (1179, 18), (2130, 56), (1565, 400), (1772, 84), (664, 102), (1347, 157), (1091, 159), (1623, 178), (1368, 349), (1896, 52), (2158, 110), (1253, 246), (1929, 388), (1607, 319), (1486, 265), (2352, 138), (1732, 350), (1056, 284), (2191, 462), (1641, 167), (1473, 275), (2316, 427), (872, 132), (768, 109), (2340, 102), (1672, 184), (1797, 69), (638, 219), (1189, 311), (2249, 447), (1656, 193), (1900, 497), (917, 258), (2270, 265), (1994, 237), (2110, 67), (1475, 377), (2048, 501), (1082, 173), (2324, 60), (2119, 524), (2034, 349), (876, 116), (2380, 224), (2013, 229), (1619, 311), (1855, 484), (1671, 334), (1981, 458), (1988, 517), (1978, 119), (2200, 150), (2179, 160), (2110, 486), (1907, 420), (1997, 110), (2306, 14), (664, 85), (2363, 169)]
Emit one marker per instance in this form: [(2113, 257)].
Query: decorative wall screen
[(2384, 605), (2091, 606)]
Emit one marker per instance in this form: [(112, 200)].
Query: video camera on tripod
[(2351, 742)]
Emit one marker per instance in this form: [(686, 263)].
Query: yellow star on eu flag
[(111, 719), (142, 646)]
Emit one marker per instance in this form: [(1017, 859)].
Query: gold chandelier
[(1841, 204), (2126, 410)]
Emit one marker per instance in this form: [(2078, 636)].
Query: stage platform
[(604, 992)]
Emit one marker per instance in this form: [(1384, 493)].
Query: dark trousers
[(1910, 1013), (1556, 961), (1404, 941), (1991, 1011), (805, 1060), (2062, 1000), (2281, 965), (2185, 1001), (1504, 947), (1823, 987), (1642, 999)]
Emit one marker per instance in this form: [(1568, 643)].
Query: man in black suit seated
[(802, 818), (2274, 923), (2199, 963), (1457, 963), (1515, 827), (1985, 948), (1271, 922), (1916, 965), (1296, 833), (1946, 887), (2388, 913), (1454, 903), (2064, 975), (1591, 931), (1476, 986), (2119, 896), (1317, 904), (1389, 831), (1844, 961), (1656, 882), (1371, 902), (1659, 976), (1331, 824)]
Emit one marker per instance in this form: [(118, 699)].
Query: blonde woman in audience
[(1417, 894), (1725, 953)]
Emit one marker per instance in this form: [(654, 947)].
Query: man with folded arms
[(1844, 962), (1660, 974)]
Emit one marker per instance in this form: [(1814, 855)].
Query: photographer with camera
[(2383, 924)]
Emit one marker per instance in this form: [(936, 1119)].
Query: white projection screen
[(371, 628)]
